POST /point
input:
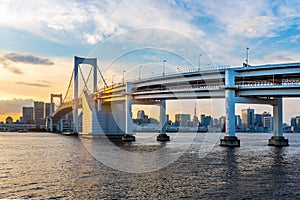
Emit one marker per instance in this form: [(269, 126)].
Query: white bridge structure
[(107, 111)]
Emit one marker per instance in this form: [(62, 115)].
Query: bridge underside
[(108, 110)]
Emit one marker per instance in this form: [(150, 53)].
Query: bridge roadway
[(263, 84)]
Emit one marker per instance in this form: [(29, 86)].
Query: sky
[(39, 40)]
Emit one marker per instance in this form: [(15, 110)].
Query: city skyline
[(37, 49)]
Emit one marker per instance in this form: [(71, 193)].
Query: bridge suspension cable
[(85, 81), (67, 94), (105, 84)]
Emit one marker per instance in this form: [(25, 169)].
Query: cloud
[(10, 59), (92, 39), (280, 57), (295, 38), (14, 105), (9, 66), (93, 20), (224, 28), (29, 59), (37, 84)]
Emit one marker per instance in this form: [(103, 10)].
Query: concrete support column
[(128, 114), (163, 117), (277, 119), (230, 140), (61, 125), (75, 100), (278, 139), (50, 118), (163, 122), (230, 113)]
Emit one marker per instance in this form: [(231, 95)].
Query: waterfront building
[(268, 123), (141, 114), (295, 123), (207, 121), (222, 121), (38, 112), (216, 122), (238, 120), (258, 120), (202, 118), (47, 110), (182, 119), (27, 115), (248, 118)]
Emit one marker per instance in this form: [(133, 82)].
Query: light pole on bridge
[(140, 72), (164, 61), (247, 56), (112, 79), (199, 61), (124, 77)]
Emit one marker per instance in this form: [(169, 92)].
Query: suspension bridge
[(107, 111)]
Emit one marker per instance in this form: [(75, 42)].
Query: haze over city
[(39, 40)]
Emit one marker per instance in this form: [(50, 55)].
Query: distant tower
[(195, 120)]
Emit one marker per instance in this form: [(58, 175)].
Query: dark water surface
[(51, 166)]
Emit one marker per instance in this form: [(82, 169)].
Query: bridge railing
[(283, 82), (178, 72), (183, 87)]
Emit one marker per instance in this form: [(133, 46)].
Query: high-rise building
[(47, 110), (268, 123), (238, 120), (258, 121), (222, 121), (141, 114), (38, 112), (267, 120), (27, 115), (182, 119), (216, 122), (208, 121), (202, 118), (295, 123), (248, 118)]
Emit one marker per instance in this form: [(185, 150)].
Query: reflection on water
[(44, 165)]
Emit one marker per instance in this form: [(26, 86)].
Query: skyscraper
[(140, 114), (47, 110), (248, 118), (182, 119), (238, 120), (27, 113), (202, 119), (39, 112), (267, 120), (268, 123)]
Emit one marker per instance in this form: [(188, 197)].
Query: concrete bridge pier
[(60, 125), (50, 128), (278, 139), (163, 137), (50, 118), (128, 136), (230, 140)]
